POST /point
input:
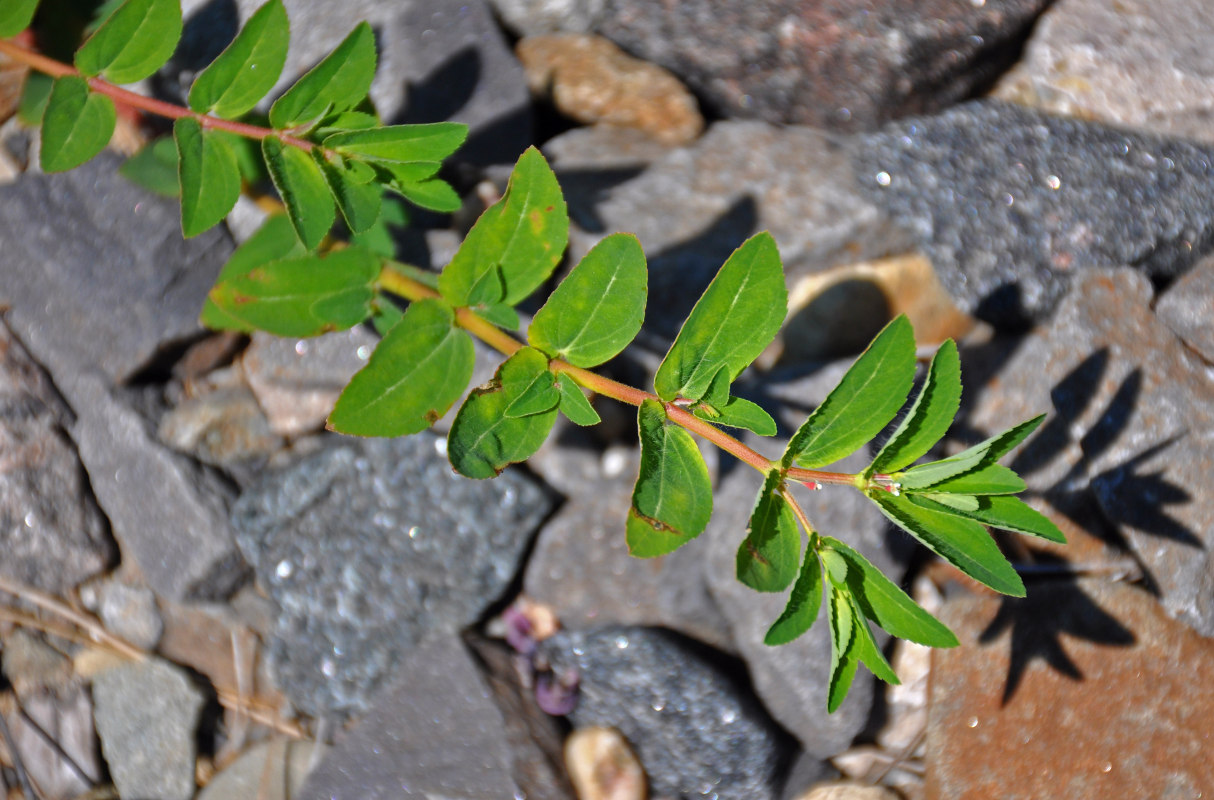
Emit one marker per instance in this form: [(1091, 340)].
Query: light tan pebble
[(847, 791), (603, 767), (593, 81)]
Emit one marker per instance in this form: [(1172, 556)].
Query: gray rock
[(434, 732), (581, 568), (1009, 202), (224, 427), (297, 381), (538, 17), (831, 63), (109, 290), (130, 612), (696, 733), (68, 713), (269, 769), (1141, 63), (168, 515), (51, 532), (1132, 428), (455, 65), (438, 60), (146, 716), (693, 206), (370, 546), (1186, 305)]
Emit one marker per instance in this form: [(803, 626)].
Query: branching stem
[(151, 105), (397, 282)]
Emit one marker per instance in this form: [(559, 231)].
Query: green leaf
[(76, 125), (738, 315), (522, 236), (434, 194), (247, 69), (540, 397), (501, 315), (574, 404), (980, 455), (803, 603), (738, 413), (1005, 513), (864, 647), (303, 189), (385, 314), (929, 418), (598, 308), (338, 82), (208, 176), (672, 500), (483, 438), (135, 41), (154, 167), (344, 121), (402, 144), (991, 479), (866, 399), (963, 543), (34, 96), (304, 296), (379, 238), (273, 241), (842, 633), (960, 502), (15, 16), (836, 566), (358, 201), (418, 371), (882, 601), (768, 556)]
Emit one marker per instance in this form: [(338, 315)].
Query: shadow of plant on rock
[(1037, 623)]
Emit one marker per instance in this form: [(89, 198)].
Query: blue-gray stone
[(1008, 203), (370, 546), (697, 734)]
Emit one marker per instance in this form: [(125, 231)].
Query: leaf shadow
[(1037, 623)]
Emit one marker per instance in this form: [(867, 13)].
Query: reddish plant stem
[(57, 69), (397, 282)]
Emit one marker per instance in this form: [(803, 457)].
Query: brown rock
[(593, 81), (846, 790), (1101, 695)]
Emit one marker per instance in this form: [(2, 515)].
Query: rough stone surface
[(695, 730), (224, 427), (1098, 695), (297, 381), (434, 732), (592, 81), (370, 546), (168, 516), (833, 63), (456, 65), (130, 612), (538, 17), (146, 717), (51, 532), (269, 769), (693, 206), (1008, 202), (65, 284), (1132, 428), (68, 714), (1141, 63), (581, 568), (1187, 307)]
